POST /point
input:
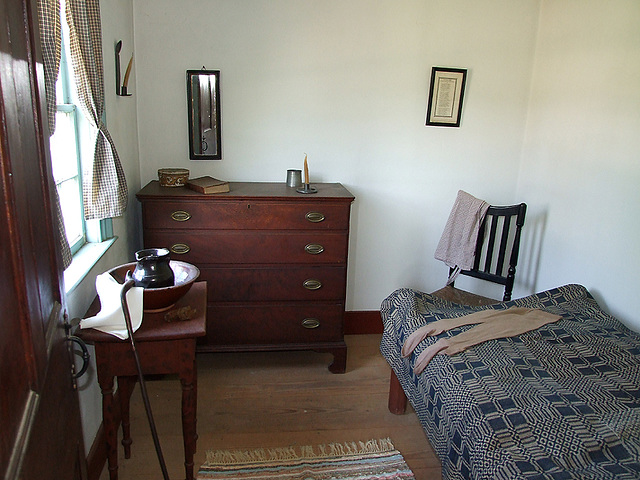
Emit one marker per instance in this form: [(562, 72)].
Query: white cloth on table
[(110, 319)]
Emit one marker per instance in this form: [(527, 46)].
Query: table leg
[(195, 406), (188, 381), (125, 389), (110, 427)]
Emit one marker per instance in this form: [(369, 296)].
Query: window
[(66, 156), (73, 140)]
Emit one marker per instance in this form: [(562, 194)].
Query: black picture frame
[(204, 118), (446, 93)]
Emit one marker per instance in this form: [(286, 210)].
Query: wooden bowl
[(161, 299), (173, 177)]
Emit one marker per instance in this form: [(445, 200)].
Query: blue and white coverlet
[(559, 402)]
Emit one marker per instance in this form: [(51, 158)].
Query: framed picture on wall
[(445, 96)]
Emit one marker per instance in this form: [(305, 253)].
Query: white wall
[(347, 83), (549, 118), (580, 165)]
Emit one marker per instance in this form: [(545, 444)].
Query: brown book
[(207, 185)]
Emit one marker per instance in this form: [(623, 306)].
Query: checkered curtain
[(104, 184), (50, 38)]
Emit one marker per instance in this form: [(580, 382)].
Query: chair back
[(498, 246)]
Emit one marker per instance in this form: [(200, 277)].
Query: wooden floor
[(252, 400)]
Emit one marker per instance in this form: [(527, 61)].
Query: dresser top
[(240, 190)]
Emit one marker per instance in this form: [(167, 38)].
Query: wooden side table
[(164, 348)]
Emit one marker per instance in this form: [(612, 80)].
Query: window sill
[(83, 261)]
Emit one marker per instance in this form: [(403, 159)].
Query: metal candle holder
[(121, 90), (306, 188)]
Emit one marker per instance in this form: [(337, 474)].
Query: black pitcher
[(153, 269)]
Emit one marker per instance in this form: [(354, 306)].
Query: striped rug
[(370, 460)]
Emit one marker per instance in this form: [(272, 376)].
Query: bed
[(559, 402)]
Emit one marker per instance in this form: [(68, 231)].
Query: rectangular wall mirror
[(203, 106)]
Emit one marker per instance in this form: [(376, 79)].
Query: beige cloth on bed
[(493, 324), (458, 242)]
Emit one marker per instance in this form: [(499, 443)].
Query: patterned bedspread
[(560, 402)]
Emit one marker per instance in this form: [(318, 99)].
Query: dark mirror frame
[(205, 132)]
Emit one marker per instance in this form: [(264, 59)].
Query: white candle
[(125, 82), (306, 170)]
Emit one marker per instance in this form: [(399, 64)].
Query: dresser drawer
[(245, 247), (268, 284), (273, 324), (247, 214)]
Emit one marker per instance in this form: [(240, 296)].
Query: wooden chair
[(498, 240), (497, 250)]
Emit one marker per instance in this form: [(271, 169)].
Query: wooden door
[(41, 433)]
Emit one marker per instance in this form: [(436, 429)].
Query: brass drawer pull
[(314, 248), (180, 248), (180, 216), (310, 323), (314, 217), (312, 284)]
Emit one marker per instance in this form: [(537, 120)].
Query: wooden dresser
[(275, 261)]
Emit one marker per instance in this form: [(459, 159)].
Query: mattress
[(559, 402)]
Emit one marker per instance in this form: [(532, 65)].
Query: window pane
[(71, 210), (64, 151), (59, 88)]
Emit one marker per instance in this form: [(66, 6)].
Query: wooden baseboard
[(362, 322), (97, 457)]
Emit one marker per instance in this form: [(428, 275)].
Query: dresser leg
[(339, 364)]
